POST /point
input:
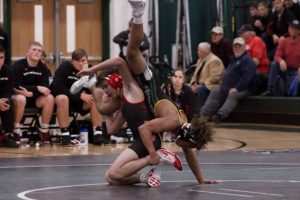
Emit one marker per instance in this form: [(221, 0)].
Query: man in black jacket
[(221, 46), (31, 87), (82, 102), (6, 104), (5, 44)]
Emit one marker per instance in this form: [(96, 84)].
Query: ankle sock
[(44, 128), (144, 178)]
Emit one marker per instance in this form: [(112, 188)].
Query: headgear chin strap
[(115, 81)]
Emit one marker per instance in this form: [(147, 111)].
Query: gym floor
[(250, 161)]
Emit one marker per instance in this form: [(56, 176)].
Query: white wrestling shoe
[(83, 82), (167, 156), (138, 8), (154, 177)]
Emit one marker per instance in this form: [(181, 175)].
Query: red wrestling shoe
[(167, 156)]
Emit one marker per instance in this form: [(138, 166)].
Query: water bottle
[(84, 136), (129, 135)]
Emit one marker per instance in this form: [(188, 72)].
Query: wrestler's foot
[(83, 82), (154, 177), (167, 156), (138, 8)]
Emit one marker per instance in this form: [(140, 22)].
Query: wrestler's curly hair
[(202, 132)]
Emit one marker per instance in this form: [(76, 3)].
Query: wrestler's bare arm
[(193, 163), (114, 122), (112, 63), (105, 106)]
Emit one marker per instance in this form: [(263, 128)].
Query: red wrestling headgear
[(115, 81)]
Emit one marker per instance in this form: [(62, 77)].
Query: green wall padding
[(203, 16), (202, 19)]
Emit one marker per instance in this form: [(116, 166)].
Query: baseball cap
[(295, 23), (245, 27), (217, 29), (239, 40)]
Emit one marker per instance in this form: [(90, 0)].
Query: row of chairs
[(30, 122)]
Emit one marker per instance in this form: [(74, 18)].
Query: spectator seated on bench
[(7, 138), (286, 62), (236, 84), (31, 88), (81, 102)]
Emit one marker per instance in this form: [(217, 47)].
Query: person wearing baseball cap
[(236, 84), (295, 24), (239, 41), (217, 30), (220, 46), (257, 50), (245, 28)]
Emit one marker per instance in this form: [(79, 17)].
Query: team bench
[(269, 110)]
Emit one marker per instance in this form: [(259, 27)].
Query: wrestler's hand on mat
[(153, 159)]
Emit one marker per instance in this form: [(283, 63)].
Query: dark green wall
[(236, 14), (202, 18), (167, 26), (7, 20)]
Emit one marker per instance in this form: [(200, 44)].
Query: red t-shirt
[(289, 52), (257, 49)]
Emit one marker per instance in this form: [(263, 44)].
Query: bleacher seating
[(270, 110)]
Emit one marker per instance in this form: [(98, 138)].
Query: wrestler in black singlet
[(151, 88), (135, 115)]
